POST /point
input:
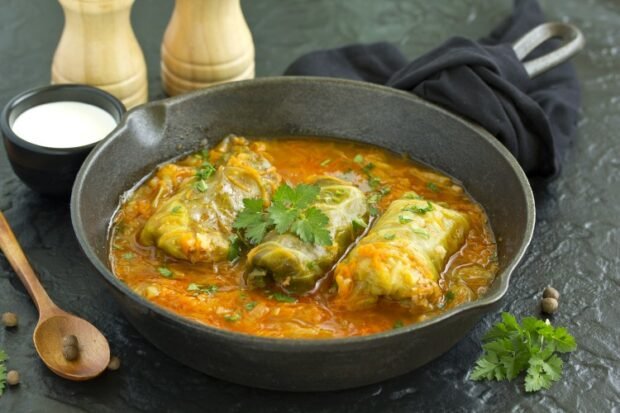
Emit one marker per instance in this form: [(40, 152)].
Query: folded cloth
[(483, 81)]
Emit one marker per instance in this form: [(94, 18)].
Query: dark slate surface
[(576, 246)]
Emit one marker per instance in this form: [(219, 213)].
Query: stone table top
[(576, 245)]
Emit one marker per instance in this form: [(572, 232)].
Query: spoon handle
[(14, 254)]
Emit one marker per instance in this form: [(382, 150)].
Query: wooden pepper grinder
[(98, 47), (206, 42)]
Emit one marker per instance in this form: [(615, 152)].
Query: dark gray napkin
[(483, 81)]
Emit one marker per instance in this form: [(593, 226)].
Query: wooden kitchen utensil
[(98, 47), (55, 324), (206, 42)]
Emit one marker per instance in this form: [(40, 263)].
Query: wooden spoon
[(54, 323)]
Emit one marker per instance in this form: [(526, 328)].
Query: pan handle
[(571, 36)]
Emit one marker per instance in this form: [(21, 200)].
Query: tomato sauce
[(228, 303)]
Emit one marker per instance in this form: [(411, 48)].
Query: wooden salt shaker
[(206, 42), (98, 47)]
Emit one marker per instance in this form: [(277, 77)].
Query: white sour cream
[(63, 124)]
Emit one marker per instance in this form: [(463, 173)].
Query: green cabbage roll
[(195, 224), (295, 265), (402, 256)]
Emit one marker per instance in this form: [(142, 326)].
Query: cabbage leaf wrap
[(295, 265), (402, 256), (195, 224)]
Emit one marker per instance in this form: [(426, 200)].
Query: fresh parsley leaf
[(311, 228), (432, 186), (252, 220), (419, 210), (283, 298), (250, 306), (398, 324), (358, 158), (511, 348), (165, 272), (128, 256), (326, 162), (176, 209), (290, 211), (282, 216), (449, 296), (305, 195)]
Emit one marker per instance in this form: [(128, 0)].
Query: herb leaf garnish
[(419, 210), (290, 212), (165, 272), (511, 348)]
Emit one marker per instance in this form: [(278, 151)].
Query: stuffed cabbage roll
[(195, 224), (296, 265), (402, 256)]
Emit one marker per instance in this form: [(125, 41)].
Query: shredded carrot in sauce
[(215, 294)]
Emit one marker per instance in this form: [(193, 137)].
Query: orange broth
[(231, 305)]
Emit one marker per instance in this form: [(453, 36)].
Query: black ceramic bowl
[(46, 170), (275, 107)]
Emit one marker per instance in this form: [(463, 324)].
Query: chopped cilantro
[(232, 317), (385, 190), (128, 256), (165, 272), (205, 171), (368, 167), (432, 186), (412, 195), (283, 298), (373, 181), (398, 324), (403, 219), (250, 306), (326, 162), (450, 296), (511, 348), (201, 185), (205, 289), (358, 159), (419, 210), (176, 209), (424, 234)]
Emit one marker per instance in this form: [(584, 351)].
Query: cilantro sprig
[(3, 358), (291, 211), (511, 348)]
